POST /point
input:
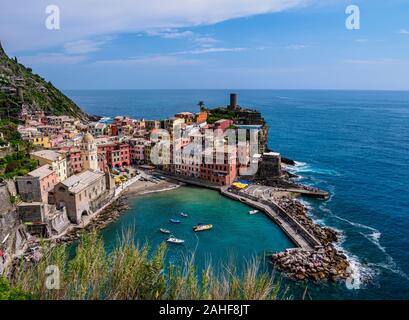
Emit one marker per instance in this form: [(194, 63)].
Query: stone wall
[(12, 234), (5, 201)]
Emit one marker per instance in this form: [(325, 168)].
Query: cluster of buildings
[(55, 195), (76, 159)]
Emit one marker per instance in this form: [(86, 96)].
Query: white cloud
[(370, 61), (206, 40), (297, 46), (199, 39), (403, 31), (22, 22), (52, 59), (211, 50), (361, 40), (171, 34), (84, 46), (162, 60)]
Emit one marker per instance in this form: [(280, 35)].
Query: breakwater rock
[(298, 211), (323, 264)]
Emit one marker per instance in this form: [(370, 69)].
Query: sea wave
[(303, 167), (361, 273), (374, 237), (105, 119)]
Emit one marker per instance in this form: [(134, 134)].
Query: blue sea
[(355, 144)]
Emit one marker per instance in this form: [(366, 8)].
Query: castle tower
[(233, 102), (89, 156)]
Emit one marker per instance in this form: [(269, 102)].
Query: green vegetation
[(17, 162), (22, 86), (134, 272), (9, 132), (8, 293), (220, 113)]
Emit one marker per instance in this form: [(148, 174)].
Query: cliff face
[(19, 85)]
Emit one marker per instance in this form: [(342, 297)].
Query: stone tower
[(233, 102), (89, 156)]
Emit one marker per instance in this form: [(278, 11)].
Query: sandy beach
[(145, 187)]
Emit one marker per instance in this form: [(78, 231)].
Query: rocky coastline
[(323, 263)]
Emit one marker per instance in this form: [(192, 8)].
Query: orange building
[(201, 117)]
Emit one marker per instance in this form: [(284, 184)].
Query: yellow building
[(43, 141), (56, 160)]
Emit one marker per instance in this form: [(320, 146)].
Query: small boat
[(253, 211), (165, 231), (174, 240), (184, 215), (174, 220), (202, 227)]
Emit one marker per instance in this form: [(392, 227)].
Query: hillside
[(19, 85)]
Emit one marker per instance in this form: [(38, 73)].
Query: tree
[(201, 105)]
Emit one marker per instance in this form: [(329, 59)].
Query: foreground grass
[(133, 272)]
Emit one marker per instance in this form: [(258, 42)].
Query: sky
[(211, 44)]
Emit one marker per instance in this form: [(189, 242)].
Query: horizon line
[(232, 89)]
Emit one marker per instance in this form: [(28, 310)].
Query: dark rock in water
[(94, 118), (288, 161)]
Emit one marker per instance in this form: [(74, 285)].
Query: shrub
[(133, 272), (8, 293)]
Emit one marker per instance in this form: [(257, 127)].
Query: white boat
[(175, 240), (202, 227), (253, 211), (165, 231), (184, 215)]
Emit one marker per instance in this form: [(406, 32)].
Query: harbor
[(227, 242)]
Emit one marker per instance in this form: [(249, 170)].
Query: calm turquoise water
[(236, 235), (353, 144)]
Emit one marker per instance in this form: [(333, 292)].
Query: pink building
[(188, 161), (220, 173), (56, 140), (223, 124), (137, 150), (36, 185), (74, 159), (120, 156)]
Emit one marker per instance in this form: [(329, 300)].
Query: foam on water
[(374, 237)]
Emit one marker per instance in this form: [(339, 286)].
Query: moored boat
[(174, 220), (202, 227), (165, 231), (174, 240), (253, 211), (184, 214)]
